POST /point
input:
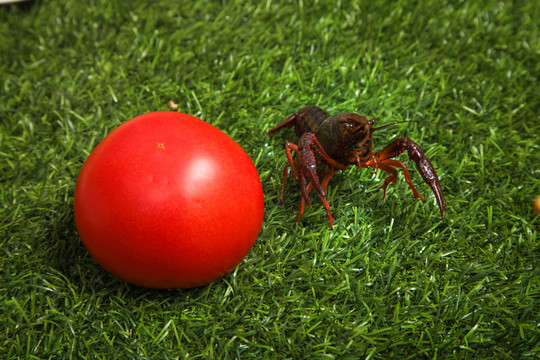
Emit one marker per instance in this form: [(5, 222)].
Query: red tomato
[(168, 201)]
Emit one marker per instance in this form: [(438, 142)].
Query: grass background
[(393, 280)]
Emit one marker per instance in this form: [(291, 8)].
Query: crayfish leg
[(304, 169), (288, 147), (388, 165), (327, 174), (325, 205), (285, 174), (290, 163)]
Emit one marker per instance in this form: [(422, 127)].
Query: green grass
[(394, 280)]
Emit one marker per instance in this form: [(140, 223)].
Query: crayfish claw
[(435, 186), (383, 160), (426, 169)]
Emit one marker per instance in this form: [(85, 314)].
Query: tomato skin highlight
[(168, 201)]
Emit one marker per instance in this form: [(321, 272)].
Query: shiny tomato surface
[(168, 201)]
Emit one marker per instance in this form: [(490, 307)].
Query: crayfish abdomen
[(339, 140)]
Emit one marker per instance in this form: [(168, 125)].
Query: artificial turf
[(394, 280)]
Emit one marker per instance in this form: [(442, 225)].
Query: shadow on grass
[(71, 263)]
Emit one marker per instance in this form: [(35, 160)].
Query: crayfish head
[(354, 127), (346, 135), (356, 133)]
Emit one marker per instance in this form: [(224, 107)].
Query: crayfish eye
[(348, 126)]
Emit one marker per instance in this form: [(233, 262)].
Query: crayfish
[(335, 142)]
